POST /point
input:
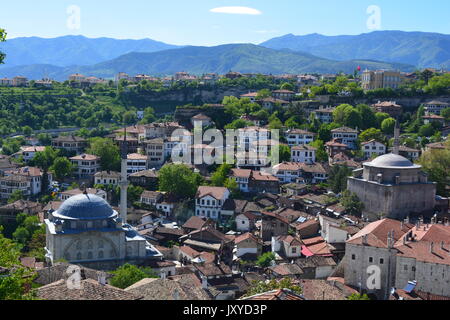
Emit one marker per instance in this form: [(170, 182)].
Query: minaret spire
[(396, 148), (124, 178)]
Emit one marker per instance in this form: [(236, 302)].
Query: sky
[(213, 22)]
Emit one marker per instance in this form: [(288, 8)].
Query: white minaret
[(124, 179)]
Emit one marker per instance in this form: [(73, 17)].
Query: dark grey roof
[(85, 207)]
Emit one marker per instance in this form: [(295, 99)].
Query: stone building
[(402, 253), (394, 187), (86, 230)]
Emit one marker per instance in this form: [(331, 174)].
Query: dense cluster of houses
[(281, 213)]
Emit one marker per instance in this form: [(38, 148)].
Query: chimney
[(432, 247), (102, 278), (442, 245), (204, 282), (364, 239), (163, 275)]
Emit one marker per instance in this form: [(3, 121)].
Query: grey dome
[(85, 207), (391, 161)]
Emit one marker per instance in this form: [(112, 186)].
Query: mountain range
[(245, 58), (104, 57), (73, 50), (421, 49)]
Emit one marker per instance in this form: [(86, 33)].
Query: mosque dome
[(392, 161), (85, 207)]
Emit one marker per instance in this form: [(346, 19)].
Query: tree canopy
[(179, 180)]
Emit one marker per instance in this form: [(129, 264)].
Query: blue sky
[(203, 22)]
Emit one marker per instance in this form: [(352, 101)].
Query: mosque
[(86, 230), (394, 187)]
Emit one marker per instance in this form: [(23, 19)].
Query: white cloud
[(236, 10)]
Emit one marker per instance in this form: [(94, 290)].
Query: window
[(294, 250), (381, 261), (370, 260), (353, 257)]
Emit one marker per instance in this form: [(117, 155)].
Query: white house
[(287, 246), (201, 120), (136, 162), (242, 177), (86, 165), (151, 197), (248, 244), (303, 154), (331, 230), (251, 95), (324, 115), (245, 222), (345, 135), (287, 172), (28, 152), (210, 200), (297, 137), (373, 148), (107, 178)]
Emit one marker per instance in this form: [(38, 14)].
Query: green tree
[(233, 186), (338, 178), (13, 285), (265, 259), (259, 287), (45, 159), (21, 235), (347, 115), (149, 116), (45, 139), (368, 119), (321, 152), (179, 180), (351, 203), (287, 86), (219, 177), (284, 152), (372, 134), (436, 163), (2, 39), (134, 193), (388, 125), (356, 296), (129, 117), (108, 152), (427, 130), (15, 196), (62, 168), (446, 114), (275, 123), (128, 275), (380, 116), (263, 93)]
